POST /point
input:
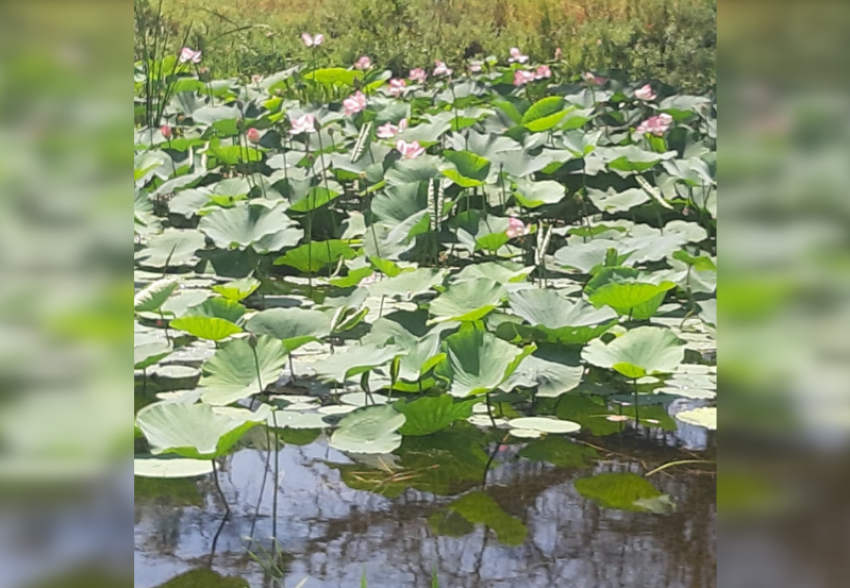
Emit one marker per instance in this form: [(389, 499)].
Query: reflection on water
[(336, 517)]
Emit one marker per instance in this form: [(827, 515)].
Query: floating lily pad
[(369, 430), (544, 425), (166, 466), (701, 417)]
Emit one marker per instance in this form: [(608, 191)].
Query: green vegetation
[(672, 41)]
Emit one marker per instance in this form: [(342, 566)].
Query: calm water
[(336, 517)]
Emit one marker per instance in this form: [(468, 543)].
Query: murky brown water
[(330, 533)]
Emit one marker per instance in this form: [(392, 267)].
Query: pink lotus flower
[(256, 78), (389, 130), (522, 77), (418, 75), (187, 55), (166, 131), (475, 67), (441, 69), (397, 87), (312, 41), (305, 123), (516, 228), (410, 150), (542, 72), (657, 125), (645, 93), (558, 54), (253, 135), (354, 103), (363, 63), (592, 79), (517, 56)]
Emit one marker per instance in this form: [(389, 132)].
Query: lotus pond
[(452, 330)]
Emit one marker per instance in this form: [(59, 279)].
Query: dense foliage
[(513, 248), (670, 41)]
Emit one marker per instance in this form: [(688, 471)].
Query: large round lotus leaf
[(176, 377), (170, 467), (641, 351), (231, 374), (624, 491), (407, 285), (171, 248), (369, 430), (526, 433), (467, 301), (237, 290), (216, 307), (335, 410), (464, 168), (149, 352), (295, 326), (551, 374), (204, 327), (613, 201), (503, 272), (195, 431), (154, 295), (627, 291), (355, 360), (247, 224), (292, 419), (701, 417), (478, 362), (311, 257), (544, 425), (533, 194), (363, 399), (430, 414), (561, 319)]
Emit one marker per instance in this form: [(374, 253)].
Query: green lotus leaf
[(618, 491), (552, 374), (409, 331), (632, 158), (478, 507), (613, 201), (154, 295), (638, 353), (702, 263), (317, 197), (478, 362), (294, 326), (544, 425), (231, 374), (431, 414), (702, 417), (412, 171), (544, 115), (591, 412), (572, 322), (217, 308), (311, 257), (355, 360), (590, 256), (502, 272), (172, 248), (204, 327), (251, 225), (628, 291), (169, 466), (466, 169), (149, 352), (237, 290), (204, 577), (467, 301), (292, 419), (195, 431), (369, 430), (535, 194), (408, 285)]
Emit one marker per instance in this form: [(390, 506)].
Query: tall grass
[(669, 40)]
